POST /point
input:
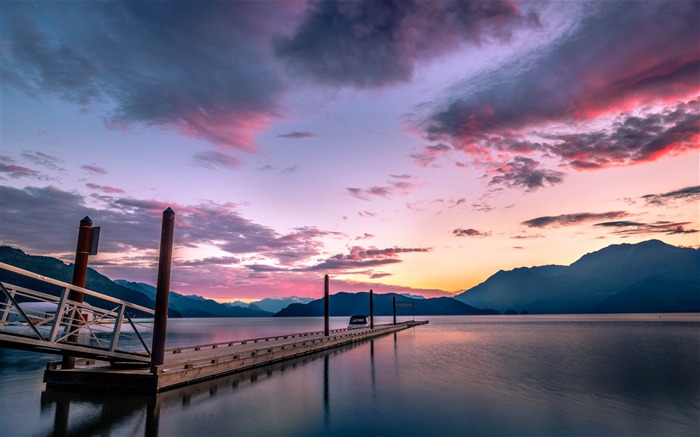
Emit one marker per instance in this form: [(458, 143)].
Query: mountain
[(275, 304), (347, 304), (646, 277), (137, 293), (57, 269), (196, 306)]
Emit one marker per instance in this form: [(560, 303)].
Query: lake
[(574, 375)]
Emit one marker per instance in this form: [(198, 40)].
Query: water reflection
[(79, 413), (458, 376)]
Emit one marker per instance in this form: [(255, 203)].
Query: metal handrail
[(74, 287), (62, 322)]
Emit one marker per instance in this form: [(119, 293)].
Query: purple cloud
[(295, 134), (430, 154), (104, 188), (206, 71), (624, 96), (459, 232), (94, 169), (689, 194), (15, 171), (212, 160), (572, 219), (370, 43), (637, 228), (362, 258), (526, 173)]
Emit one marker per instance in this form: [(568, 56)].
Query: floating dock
[(188, 365)]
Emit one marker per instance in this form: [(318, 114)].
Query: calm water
[(458, 376)]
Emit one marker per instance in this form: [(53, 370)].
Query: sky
[(404, 146)]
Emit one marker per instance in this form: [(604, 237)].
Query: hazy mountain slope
[(197, 306), (57, 269), (275, 304), (649, 266)]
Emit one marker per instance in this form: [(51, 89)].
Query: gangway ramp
[(40, 321)]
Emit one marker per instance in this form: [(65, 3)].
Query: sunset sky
[(408, 146)]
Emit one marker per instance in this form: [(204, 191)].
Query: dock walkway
[(188, 365)]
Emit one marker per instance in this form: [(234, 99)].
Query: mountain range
[(57, 269), (272, 304), (196, 306), (646, 277), (347, 304), (626, 278)]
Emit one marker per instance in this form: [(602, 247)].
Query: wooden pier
[(188, 365), (95, 363)]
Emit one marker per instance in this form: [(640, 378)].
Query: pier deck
[(188, 365)]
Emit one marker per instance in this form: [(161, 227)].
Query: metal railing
[(32, 319)]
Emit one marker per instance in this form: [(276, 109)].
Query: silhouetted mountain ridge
[(347, 304), (57, 269), (601, 281), (196, 306), (138, 293)]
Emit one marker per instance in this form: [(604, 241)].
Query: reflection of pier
[(142, 413)]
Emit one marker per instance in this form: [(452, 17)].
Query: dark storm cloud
[(687, 194), (200, 66), (572, 219), (370, 43), (526, 173), (618, 57), (638, 228), (459, 232)]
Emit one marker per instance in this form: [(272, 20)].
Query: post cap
[(86, 219), (169, 210)]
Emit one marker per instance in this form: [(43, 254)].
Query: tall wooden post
[(326, 307), (160, 322), (371, 309), (394, 299), (82, 251)]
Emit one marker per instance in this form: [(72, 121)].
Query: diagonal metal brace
[(21, 311), (143, 343)]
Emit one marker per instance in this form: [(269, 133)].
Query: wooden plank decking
[(187, 365)]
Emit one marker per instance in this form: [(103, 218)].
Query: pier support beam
[(160, 322), (326, 307), (371, 309), (82, 251), (394, 300)]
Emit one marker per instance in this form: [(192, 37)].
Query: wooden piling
[(326, 307), (160, 321), (82, 251)]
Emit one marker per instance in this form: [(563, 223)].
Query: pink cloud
[(94, 169), (625, 96), (104, 188)]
